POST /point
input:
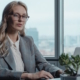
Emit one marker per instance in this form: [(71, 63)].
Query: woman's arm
[(6, 74), (41, 62), (37, 75)]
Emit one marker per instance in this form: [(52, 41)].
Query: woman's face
[(17, 19)]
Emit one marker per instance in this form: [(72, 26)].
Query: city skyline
[(46, 45)]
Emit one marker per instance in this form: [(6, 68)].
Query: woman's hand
[(37, 75), (41, 74), (58, 73)]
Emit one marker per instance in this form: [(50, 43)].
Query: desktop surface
[(49, 79), (55, 79)]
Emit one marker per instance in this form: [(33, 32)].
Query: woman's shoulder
[(28, 38)]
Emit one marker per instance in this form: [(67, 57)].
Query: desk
[(50, 79), (55, 79)]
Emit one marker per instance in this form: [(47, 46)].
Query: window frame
[(59, 30)]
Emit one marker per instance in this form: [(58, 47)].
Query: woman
[(19, 56)]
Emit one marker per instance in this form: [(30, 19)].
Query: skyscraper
[(34, 33)]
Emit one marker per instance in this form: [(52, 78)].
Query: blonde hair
[(3, 25)]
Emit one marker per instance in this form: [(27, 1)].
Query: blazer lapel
[(26, 53), (9, 58)]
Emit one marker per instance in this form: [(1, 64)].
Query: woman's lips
[(19, 25)]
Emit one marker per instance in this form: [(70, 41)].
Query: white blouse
[(16, 54)]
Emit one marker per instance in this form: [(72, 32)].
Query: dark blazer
[(31, 57)]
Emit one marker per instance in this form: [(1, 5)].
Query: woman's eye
[(15, 15), (23, 16)]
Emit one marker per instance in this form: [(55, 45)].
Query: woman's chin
[(19, 29)]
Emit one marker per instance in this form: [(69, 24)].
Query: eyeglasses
[(17, 16)]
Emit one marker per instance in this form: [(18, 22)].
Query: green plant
[(71, 64)]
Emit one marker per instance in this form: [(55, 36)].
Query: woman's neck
[(13, 37), (13, 34)]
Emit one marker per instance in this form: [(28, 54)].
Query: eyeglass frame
[(18, 16)]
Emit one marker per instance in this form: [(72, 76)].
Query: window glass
[(71, 25)]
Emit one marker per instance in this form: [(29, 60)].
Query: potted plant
[(71, 64)]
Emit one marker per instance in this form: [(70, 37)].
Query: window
[(71, 25)]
